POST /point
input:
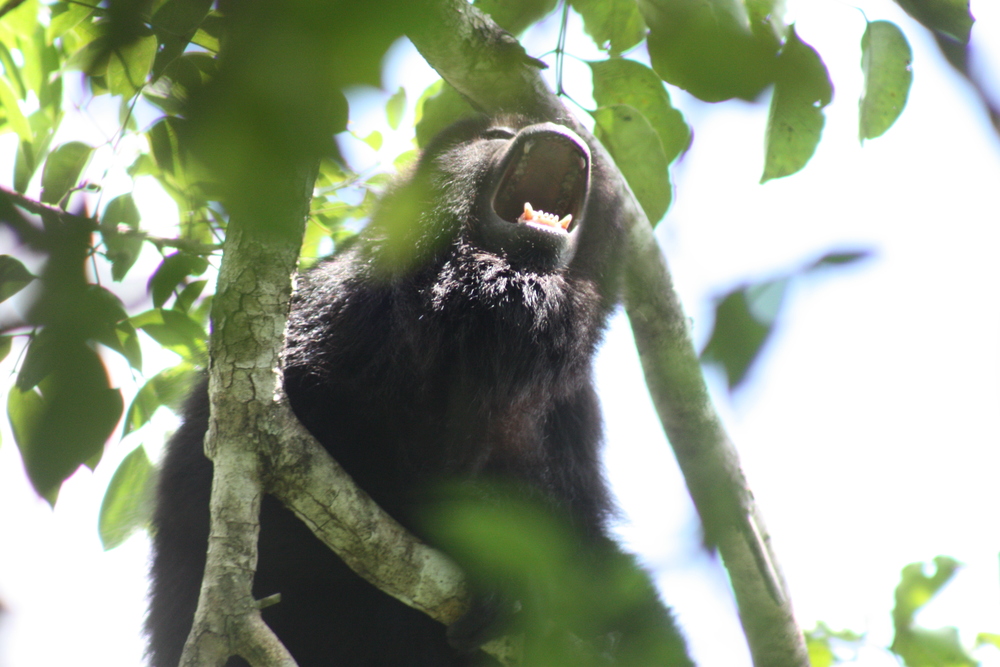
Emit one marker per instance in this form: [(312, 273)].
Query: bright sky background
[(869, 430)]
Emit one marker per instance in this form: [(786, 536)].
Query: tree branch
[(489, 68)]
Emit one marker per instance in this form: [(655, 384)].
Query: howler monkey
[(453, 340)]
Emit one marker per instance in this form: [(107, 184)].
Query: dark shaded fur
[(463, 363)]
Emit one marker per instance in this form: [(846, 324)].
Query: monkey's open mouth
[(545, 179)]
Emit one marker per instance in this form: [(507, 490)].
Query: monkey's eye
[(503, 133)]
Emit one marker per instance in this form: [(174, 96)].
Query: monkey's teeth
[(543, 218)]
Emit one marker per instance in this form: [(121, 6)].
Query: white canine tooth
[(564, 223)]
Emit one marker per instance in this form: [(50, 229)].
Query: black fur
[(444, 344)]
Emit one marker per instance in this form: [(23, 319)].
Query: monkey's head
[(505, 188)]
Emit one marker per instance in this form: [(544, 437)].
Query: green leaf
[(5, 343), (129, 65), (174, 330), (405, 159), (637, 151), (767, 19), (886, 62), (515, 16), (62, 170), (40, 358), (987, 639), (374, 140), (438, 107), (184, 77), (13, 277), (189, 295), (821, 641), (128, 502), (65, 16), (950, 18), (93, 57), (920, 647), (119, 229), (614, 25), (167, 388), (744, 320), (395, 107), (839, 259), (621, 81), (15, 117), (128, 338), (796, 120), (67, 422), (820, 654), (707, 48), (916, 589), (25, 410), (164, 141), (171, 272), (175, 23), (917, 646), (30, 153)]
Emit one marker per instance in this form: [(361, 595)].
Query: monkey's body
[(450, 349)]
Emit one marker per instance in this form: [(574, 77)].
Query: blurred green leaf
[(128, 501), (13, 277), (31, 153), (39, 359), (171, 272), (395, 107), (439, 106), (637, 151), (66, 420), (582, 604), (821, 642), (916, 589), (5, 343), (839, 259), (744, 320), (189, 295), (174, 330), (767, 19), (14, 116), (796, 120), (987, 639), (65, 16), (820, 654), (405, 160), (130, 64), (622, 81), (374, 140), (886, 61), (128, 338), (920, 647), (182, 78), (62, 170), (175, 23), (950, 18), (614, 25), (166, 388), (119, 230), (708, 48), (515, 16)]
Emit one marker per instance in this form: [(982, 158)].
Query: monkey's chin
[(534, 214)]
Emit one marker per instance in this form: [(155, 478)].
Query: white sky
[(868, 431)]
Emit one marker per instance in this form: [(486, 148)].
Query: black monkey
[(452, 340)]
